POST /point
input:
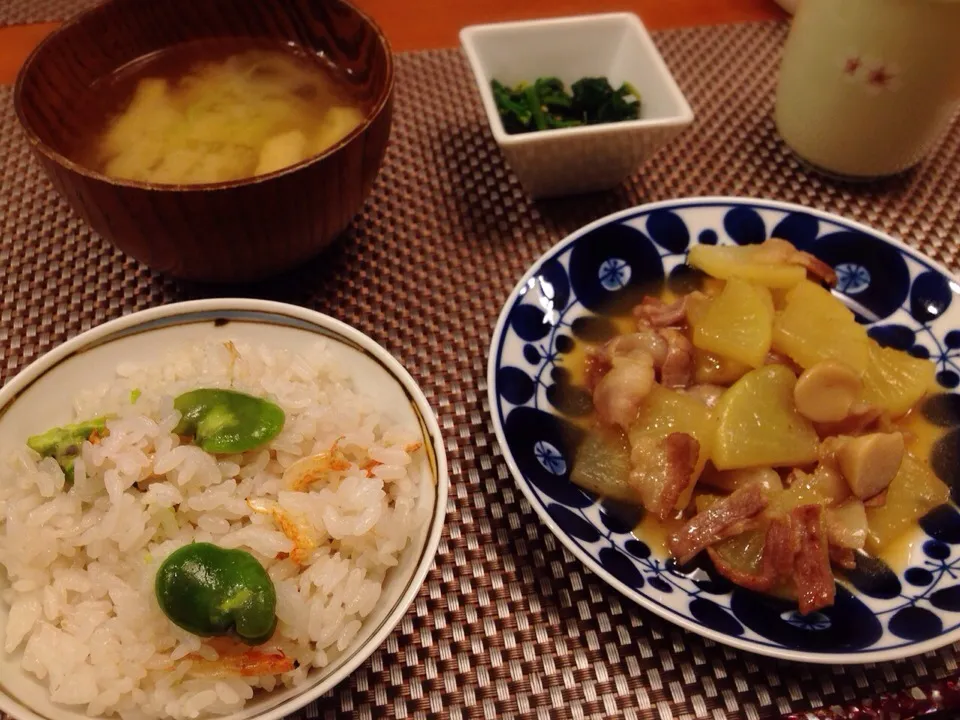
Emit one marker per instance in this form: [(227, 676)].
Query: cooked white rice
[(81, 561)]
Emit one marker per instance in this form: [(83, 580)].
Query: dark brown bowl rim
[(62, 160)]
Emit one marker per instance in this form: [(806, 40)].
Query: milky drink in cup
[(867, 87)]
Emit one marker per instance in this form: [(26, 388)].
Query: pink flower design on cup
[(882, 77), (851, 66), (874, 75)]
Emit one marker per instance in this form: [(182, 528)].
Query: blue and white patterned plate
[(908, 302)]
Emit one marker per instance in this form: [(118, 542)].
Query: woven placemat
[(508, 623), (18, 12)]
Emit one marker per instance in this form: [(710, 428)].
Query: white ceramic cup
[(868, 86)]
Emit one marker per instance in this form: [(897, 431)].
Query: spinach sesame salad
[(546, 104)]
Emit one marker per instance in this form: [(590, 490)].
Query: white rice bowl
[(80, 560)]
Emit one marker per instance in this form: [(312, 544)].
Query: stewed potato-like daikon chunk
[(712, 369), (602, 465), (823, 486), (895, 381), (758, 425), (914, 492), (746, 262), (738, 323), (664, 412), (815, 326)]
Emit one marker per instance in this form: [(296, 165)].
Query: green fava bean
[(63, 443), (227, 421), (208, 590)]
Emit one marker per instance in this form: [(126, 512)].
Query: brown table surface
[(425, 24)]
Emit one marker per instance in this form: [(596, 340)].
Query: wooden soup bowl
[(219, 232)]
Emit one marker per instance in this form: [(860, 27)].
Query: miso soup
[(214, 111)]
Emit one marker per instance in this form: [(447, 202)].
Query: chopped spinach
[(546, 104)]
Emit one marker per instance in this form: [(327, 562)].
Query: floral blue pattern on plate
[(906, 300)]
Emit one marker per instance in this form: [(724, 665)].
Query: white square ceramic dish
[(581, 159)]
